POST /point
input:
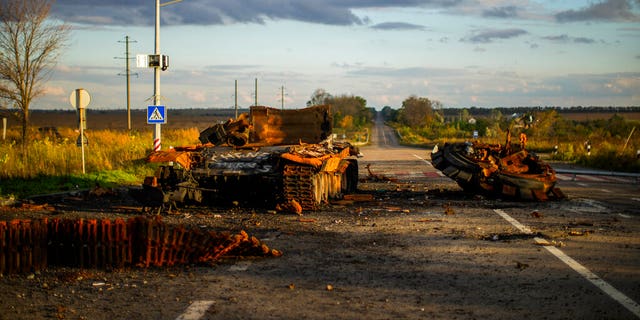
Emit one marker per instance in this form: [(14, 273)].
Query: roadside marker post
[(79, 99)]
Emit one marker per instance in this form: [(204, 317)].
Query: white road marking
[(591, 178), (597, 205), (606, 191), (619, 179), (582, 184), (625, 301), (635, 199), (240, 266), (196, 310), (425, 161)]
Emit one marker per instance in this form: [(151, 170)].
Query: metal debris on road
[(32, 245)]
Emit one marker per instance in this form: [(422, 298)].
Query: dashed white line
[(196, 310), (625, 301)]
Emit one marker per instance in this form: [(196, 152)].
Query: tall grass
[(110, 155)]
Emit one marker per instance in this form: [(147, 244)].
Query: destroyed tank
[(497, 170), (265, 158)]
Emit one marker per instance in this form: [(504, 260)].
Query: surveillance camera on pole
[(158, 62)]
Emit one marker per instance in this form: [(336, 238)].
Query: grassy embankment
[(55, 164)]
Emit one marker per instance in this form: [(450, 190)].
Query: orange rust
[(315, 162), (25, 245), (183, 158)]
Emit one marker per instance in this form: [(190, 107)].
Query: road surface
[(421, 249)]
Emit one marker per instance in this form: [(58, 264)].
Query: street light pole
[(156, 82), (156, 73)]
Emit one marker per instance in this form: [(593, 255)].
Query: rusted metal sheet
[(274, 126)]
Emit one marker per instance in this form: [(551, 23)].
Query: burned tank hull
[(494, 170), (268, 158)]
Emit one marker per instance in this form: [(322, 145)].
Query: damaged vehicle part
[(33, 245), (497, 170), (265, 158)]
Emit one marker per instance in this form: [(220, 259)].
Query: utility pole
[(256, 96), (157, 134), (127, 74), (282, 97)]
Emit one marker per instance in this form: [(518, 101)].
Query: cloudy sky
[(463, 53)]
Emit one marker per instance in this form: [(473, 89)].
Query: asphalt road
[(422, 249), (425, 250)]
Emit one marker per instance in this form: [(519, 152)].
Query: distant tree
[(29, 48), (354, 107), (389, 114), (319, 97), (418, 112)]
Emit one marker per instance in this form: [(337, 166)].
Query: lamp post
[(157, 141)]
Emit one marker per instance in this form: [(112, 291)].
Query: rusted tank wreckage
[(497, 170), (267, 158)]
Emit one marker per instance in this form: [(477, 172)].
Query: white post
[(82, 124), (157, 140)]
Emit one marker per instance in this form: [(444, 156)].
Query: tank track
[(311, 187), (301, 183)]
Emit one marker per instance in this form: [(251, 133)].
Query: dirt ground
[(416, 251), (420, 249)]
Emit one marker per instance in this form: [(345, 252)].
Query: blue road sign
[(156, 115)]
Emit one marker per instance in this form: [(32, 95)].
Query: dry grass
[(107, 150)]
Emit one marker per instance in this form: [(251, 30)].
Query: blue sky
[(484, 53)]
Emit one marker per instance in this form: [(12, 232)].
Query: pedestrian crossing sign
[(156, 115)]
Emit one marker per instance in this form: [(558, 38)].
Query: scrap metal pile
[(269, 157), (497, 170), (32, 245)]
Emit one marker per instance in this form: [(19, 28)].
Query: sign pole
[(157, 134), (79, 99), (80, 105)]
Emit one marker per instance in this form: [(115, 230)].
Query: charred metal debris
[(269, 158), (32, 245), (498, 170)]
